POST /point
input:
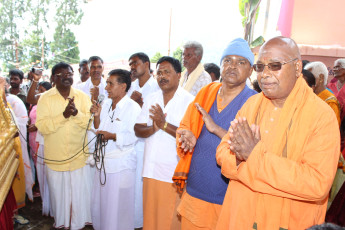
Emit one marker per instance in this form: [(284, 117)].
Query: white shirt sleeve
[(143, 117)]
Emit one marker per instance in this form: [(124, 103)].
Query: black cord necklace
[(111, 117)]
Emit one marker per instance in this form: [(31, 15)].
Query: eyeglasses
[(64, 75), (274, 66)]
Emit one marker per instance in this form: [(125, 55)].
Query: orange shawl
[(279, 189), (192, 120)]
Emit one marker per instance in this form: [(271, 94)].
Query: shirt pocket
[(117, 125)]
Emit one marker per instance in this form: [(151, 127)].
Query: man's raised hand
[(187, 140)]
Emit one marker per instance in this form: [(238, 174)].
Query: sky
[(114, 29)]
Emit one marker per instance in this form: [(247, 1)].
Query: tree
[(11, 12), (249, 10), (156, 57), (178, 54), (35, 38), (65, 47)]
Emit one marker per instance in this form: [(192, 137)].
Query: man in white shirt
[(113, 188), (93, 87), (95, 84), (145, 82), (144, 85), (83, 71), (194, 77), (160, 116)]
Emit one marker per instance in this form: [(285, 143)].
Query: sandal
[(20, 220)]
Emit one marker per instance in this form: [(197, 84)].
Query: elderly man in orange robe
[(281, 151)]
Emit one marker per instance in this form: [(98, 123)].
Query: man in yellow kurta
[(320, 72), (281, 151), (62, 117)]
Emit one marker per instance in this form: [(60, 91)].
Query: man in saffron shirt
[(214, 107), (281, 151)]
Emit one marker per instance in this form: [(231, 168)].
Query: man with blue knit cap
[(205, 123)]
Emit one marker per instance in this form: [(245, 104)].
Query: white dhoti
[(42, 181), (42, 176), (139, 210), (113, 203), (70, 197)]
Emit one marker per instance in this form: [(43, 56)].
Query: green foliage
[(249, 10), (156, 57), (33, 51), (65, 47), (178, 54), (35, 38), (246, 7), (257, 42), (68, 13), (23, 25), (11, 12)]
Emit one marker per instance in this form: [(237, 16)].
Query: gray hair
[(194, 44), (341, 62), (318, 68)]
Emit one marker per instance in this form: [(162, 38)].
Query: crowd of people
[(193, 149)]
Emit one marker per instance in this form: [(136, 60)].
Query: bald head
[(286, 45)]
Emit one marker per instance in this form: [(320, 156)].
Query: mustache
[(163, 81), (70, 80), (231, 71)]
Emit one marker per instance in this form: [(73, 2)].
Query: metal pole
[(169, 31)]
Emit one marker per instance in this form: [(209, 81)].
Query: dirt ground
[(33, 212)]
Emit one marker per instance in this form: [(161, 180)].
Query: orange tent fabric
[(284, 184)]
